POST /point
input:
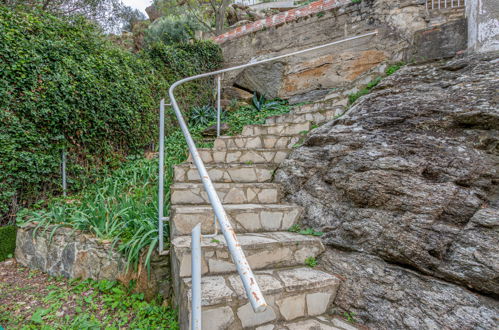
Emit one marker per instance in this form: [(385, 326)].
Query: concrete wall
[(316, 74), (483, 25)]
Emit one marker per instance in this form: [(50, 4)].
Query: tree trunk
[(220, 17)]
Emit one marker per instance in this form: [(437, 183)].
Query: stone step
[(319, 116), (244, 217), (245, 156), (312, 323), (229, 193), (277, 129), (258, 141), (336, 102), (220, 172), (262, 250), (291, 294)]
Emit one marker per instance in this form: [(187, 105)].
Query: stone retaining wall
[(314, 75), (74, 254)]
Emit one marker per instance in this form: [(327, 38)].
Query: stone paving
[(242, 168)]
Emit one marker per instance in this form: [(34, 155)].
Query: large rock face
[(411, 174)]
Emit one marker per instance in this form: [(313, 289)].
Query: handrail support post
[(219, 110), (161, 174), (196, 277)]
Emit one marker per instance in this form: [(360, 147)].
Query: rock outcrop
[(410, 175)]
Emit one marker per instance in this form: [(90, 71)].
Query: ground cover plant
[(30, 299)]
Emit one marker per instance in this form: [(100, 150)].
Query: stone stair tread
[(226, 172), (279, 129), (279, 124), (257, 135), (194, 185), (243, 217), (247, 240), (263, 251), (243, 155), (246, 149), (229, 193), (216, 289), (311, 323), (317, 116)]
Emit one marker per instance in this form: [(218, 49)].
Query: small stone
[(292, 307), (217, 318), (249, 318), (317, 303)]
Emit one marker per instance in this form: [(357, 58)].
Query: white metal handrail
[(251, 287)]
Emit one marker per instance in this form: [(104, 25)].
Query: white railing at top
[(444, 4), (248, 279)]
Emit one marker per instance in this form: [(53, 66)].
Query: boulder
[(410, 173), (385, 296)]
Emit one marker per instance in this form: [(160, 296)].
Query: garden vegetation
[(64, 86)]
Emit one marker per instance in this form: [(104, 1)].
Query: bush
[(7, 242), (171, 30), (63, 85)]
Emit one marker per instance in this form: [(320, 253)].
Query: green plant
[(356, 1), (311, 262), (248, 115), (296, 228), (7, 241), (354, 96), (320, 14), (171, 29), (350, 316), (394, 68), (261, 103), (205, 115)]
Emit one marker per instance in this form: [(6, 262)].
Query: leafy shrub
[(7, 241), (63, 85), (171, 30)]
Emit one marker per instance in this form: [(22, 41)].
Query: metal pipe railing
[(251, 287)]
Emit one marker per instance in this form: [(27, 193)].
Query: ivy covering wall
[(64, 85)]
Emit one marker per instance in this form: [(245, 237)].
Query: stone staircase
[(242, 168)]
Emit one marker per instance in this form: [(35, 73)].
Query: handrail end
[(261, 308)]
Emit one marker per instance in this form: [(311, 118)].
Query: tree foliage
[(111, 15), (63, 85), (172, 29), (211, 14)]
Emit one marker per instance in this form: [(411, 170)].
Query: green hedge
[(7, 241), (63, 84)]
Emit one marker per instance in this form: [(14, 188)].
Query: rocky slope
[(406, 185)]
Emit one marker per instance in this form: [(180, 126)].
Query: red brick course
[(284, 17)]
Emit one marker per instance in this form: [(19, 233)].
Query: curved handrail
[(251, 287)]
